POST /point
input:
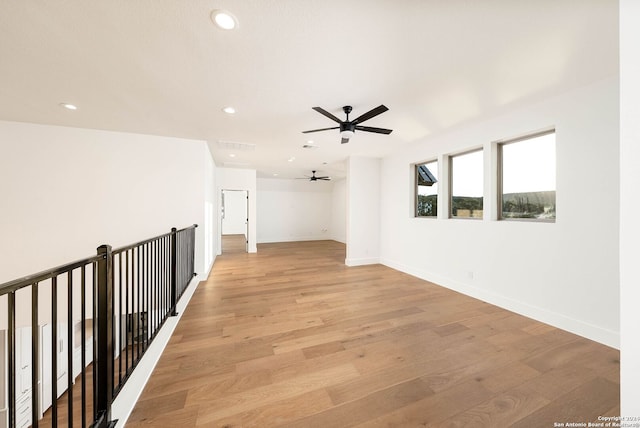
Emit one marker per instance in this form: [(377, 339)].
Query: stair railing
[(113, 304)]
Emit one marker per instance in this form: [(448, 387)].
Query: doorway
[(235, 221)]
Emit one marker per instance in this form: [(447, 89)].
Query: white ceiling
[(161, 67)]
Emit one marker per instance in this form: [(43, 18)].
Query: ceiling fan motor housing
[(348, 127)]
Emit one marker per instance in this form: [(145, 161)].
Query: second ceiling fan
[(348, 127)]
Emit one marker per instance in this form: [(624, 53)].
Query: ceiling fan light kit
[(347, 128), (346, 134)]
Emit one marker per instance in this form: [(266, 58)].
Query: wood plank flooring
[(62, 404), (234, 244), (291, 337)]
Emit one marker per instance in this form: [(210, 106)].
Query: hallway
[(234, 244), (292, 337)]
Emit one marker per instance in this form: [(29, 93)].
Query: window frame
[(500, 177), (450, 183), (415, 187)]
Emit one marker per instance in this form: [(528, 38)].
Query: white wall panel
[(629, 205), (563, 273), (363, 211), (339, 211), (292, 210), (65, 191)]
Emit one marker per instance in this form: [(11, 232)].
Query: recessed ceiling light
[(68, 106), (309, 141), (275, 174), (291, 159), (232, 155), (224, 19), (229, 110)]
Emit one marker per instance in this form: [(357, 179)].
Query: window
[(528, 177), (467, 185), (427, 189)]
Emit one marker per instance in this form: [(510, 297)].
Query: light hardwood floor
[(292, 337), (234, 244)]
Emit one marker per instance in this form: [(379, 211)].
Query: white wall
[(363, 210), (564, 273), (339, 211), (629, 205), (294, 210), (235, 212), (65, 191), (238, 179), (210, 229)]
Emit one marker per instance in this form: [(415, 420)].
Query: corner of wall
[(362, 261), (363, 209)]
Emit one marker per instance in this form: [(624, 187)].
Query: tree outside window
[(427, 189)]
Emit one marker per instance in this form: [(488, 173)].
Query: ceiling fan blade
[(323, 129), (324, 178), (344, 141), (326, 113), (371, 113), (376, 130)]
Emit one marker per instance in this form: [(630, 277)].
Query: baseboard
[(274, 240), (204, 275), (561, 321), (362, 261)]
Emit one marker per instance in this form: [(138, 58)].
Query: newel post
[(174, 267), (104, 336)]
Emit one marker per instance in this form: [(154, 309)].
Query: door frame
[(221, 214)]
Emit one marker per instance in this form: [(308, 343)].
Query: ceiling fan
[(314, 178), (347, 127)]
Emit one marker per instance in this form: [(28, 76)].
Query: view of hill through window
[(527, 189), (529, 178), (467, 185)]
